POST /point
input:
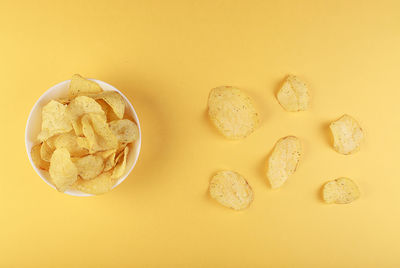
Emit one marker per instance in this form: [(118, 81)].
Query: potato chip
[(50, 142), (99, 185), (231, 190), (347, 135), (232, 112), (46, 151), (81, 86), (70, 142), (78, 107), (111, 116), (340, 191), (284, 160), (125, 130), (83, 142), (109, 158), (115, 100), (120, 164), (55, 120), (89, 166), (98, 134), (62, 170), (294, 95), (37, 160)]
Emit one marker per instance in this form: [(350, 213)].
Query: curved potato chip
[(125, 130), (294, 95), (37, 160), (55, 120), (70, 142), (80, 85), (115, 100), (232, 112), (231, 190), (62, 170), (98, 134), (109, 158), (83, 142), (99, 185), (111, 116), (89, 166), (284, 160), (50, 142), (340, 191), (46, 151), (120, 164), (347, 134)]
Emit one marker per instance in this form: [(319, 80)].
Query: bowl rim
[(138, 141)]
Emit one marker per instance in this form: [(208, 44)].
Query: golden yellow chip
[(50, 142), (55, 120), (46, 151), (125, 130), (81, 86), (62, 170), (109, 158), (78, 107), (340, 191), (89, 166), (70, 142), (37, 160), (115, 100), (98, 133), (99, 185), (231, 190), (232, 112), (284, 160), (347, 135), (120, 164), (294, 95), (111, 116), (83, 142)]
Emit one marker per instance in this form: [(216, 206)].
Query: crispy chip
[(50, 142), (115, 100), (232, 112), (70, 142), (347, 135), (231, 190), (111, 116), (46, 151), (55, 120), (340, 191), (83, 142), (62, 170), (283, 160), (120, 164), (125, 130), (99, 185), (109, 158), (294, 95), (89, 166), (37, 160), (80, 85), (98, 134), (78, 107)]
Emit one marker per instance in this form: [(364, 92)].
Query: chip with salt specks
[(81, 86), (340, 191), (62, 170), (347, 135), (55, 120), (125, 130), (99, 185), (36, 158), (89, 166), (120, 164), (294, 95), (114, 100), (111, 116)]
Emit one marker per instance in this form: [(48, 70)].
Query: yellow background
[(166, 56)]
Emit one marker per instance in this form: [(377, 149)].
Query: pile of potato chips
[(85, 138)]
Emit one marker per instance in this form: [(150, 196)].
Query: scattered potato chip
[(284, 160), (232, 112), (340, 191), (120, 164), (55, 120), (80, 85), (125, 130), (70, 142), (62, 170), (46, 151), (231, 190), (89, 166), (294, 95), (99, 185), (37, 160), (115, 100), (111, 116), (347, 134), (78, 107), (98, 133)]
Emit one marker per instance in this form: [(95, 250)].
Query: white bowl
[(33, 127)]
